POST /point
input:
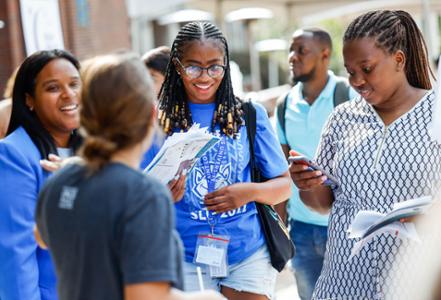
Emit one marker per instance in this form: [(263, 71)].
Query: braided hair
[(174, 112), (392, 31)]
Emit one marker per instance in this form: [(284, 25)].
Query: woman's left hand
[(54, 162), (229, 197)]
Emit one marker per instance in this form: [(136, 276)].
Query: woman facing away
[(44, 120), (109, 227), (219, 200), (378, 147)]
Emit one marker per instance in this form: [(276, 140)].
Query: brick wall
[(11, 41), (107, 28), (100, 26)]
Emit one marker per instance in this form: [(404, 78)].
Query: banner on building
[(41, 25)]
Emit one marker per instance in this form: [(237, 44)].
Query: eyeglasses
[(194, 72)]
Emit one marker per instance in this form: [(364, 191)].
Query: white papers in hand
[(180, 152), (397, 229), (367, 223)]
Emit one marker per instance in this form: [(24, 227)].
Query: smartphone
[(302, 160)]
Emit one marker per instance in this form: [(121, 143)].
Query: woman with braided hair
[(378, 147), (219, 195)]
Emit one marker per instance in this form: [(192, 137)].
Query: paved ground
[(286, 288)]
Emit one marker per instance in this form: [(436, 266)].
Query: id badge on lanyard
[(211, 249), (211, 252)]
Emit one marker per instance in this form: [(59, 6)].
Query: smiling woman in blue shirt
[(219, 196), (44, 120)]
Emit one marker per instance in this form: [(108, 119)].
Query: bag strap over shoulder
[(341, 92), (250, 123), (278, 241), (281, 109)]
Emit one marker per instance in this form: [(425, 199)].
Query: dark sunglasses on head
[(194, 72)]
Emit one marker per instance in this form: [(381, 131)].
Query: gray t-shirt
[(104, 231)]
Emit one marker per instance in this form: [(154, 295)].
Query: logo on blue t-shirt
[(221, 172), (199, 181)]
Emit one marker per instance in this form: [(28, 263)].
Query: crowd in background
[(80, 220)]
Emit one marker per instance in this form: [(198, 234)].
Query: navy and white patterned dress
[(377, 166)]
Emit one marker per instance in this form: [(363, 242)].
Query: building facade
[(85, 27)]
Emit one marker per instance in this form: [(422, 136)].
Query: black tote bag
[(277, 236)]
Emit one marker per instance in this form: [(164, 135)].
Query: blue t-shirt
[(26, 270), (242, 225), (304, 123)]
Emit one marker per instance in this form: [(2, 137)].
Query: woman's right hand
[(303, 178), (54, 162)]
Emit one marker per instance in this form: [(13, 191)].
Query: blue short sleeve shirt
[(241, 224)]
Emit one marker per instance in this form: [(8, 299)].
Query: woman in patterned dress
[(377, 146)]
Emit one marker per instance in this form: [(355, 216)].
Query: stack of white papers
[(180, 153), (368, 224)]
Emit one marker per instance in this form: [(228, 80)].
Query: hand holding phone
[(302, 160)]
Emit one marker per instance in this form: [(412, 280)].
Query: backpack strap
[(250, 123), (341, 95), (341, 92), (281, 109)]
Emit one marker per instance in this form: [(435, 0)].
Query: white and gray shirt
[(376, 166)]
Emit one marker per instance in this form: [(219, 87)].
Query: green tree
[(336, 29)]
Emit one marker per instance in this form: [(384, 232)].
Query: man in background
[(300, 117)]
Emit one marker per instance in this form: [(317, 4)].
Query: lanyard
[(211, 174)]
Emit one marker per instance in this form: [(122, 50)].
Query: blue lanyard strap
[(211, 174)]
